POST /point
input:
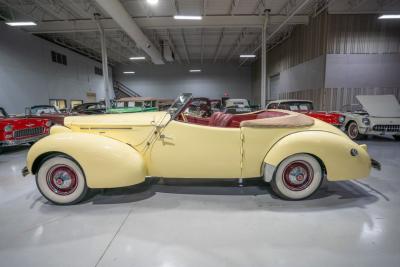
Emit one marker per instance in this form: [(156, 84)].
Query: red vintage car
[(21, 130), (46, 112), (306, 107)]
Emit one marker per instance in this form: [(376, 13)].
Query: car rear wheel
[(61, 180), (353, 132), (297, 177)]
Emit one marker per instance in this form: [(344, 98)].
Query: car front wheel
[(61, 180), (297, 177), (353, 132)]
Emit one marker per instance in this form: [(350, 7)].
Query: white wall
[(362, 71), (168, 81), (29, 77)]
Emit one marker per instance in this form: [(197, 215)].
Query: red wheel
[(61, 180), (297, 177)]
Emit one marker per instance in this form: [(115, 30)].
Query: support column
[(105, 63), (264, 62)]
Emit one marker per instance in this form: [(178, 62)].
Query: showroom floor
[(346, 223)]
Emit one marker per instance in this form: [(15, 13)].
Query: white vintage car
[(376, 115)]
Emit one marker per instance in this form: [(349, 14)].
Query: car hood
[(380, 105), (117, 120)]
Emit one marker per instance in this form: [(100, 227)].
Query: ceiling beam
[(185, 46), (165, 23)]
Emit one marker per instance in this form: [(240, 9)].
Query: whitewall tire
[(353, 132), (297, 177), (61, 180)]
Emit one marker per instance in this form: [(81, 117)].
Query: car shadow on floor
[(332, 195)]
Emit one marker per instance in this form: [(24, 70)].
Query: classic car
[(307, 107), (291, 151), (49, 112), (139, 104), (20, 130), (90, 108), (375, 115), (237, 106), (216, 104)]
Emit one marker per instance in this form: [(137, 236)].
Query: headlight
[(49, 123), (342, 119), (8, 128), (366, 121)]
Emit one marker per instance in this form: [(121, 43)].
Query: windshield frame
[(3, 113), (184, 99)]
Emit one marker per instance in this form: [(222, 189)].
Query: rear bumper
[(375, 164), (25, 171), (21, 141)]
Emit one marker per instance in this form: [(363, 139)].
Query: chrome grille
[(386, 128), (28, 132)]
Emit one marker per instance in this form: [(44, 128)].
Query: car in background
[(375, 115), (237, 106), (21, 130), (46, 112), (139, 104), (216, 105), (306, 107), (90, 108)]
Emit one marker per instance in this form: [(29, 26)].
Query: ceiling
[(229, 27)]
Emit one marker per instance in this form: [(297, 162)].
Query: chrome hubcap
[(298, 175), (62, 180)]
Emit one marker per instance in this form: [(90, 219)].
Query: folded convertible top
[(288, 121)]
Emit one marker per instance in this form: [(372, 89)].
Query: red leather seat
[(219, 119)]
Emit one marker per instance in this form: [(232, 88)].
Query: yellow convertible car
[(291, 151)]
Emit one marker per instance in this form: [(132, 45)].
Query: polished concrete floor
[(352, 223)]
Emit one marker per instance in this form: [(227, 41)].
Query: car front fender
[(334, 152), (106, 163)]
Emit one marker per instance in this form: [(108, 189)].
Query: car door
[(185, 150)]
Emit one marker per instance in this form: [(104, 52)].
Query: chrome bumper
[(375, 164), (21, 141)]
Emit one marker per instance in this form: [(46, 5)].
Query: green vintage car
[(139, 104)]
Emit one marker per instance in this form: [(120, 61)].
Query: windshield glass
[(179, 104), (296, 106), (44, 110)]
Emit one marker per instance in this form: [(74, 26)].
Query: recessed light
[(188, 17), (152, 2), (129, 72), (137, 58), (389, 17), (21, 23), (194, 70), (247, 56)]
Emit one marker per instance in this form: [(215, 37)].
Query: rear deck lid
[(380, 105)]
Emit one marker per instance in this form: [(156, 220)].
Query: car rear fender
[(333, 151), (106, 163)]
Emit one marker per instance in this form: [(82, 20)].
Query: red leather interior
[(220, 119)]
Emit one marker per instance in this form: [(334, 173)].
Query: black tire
[(61, 180), (352, 131), (297, 177), (396, 137)]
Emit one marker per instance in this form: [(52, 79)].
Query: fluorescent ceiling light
[(189, 17), (21, 23), (194, 70), (152, 2), (389, 17), (129, 72), (247, 56), (137, 58)]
